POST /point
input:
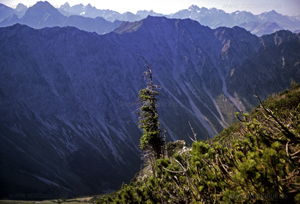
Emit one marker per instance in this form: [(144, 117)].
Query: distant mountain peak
[(273, 12), (194, 7), (43, 3), (65, 6), (89, 6), (42, 14), (42, 6), (20, 7)]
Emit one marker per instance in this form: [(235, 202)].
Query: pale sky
[(286, 7)]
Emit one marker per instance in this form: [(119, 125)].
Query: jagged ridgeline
[(255, 160), (68, 97)]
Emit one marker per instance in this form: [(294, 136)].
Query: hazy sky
[(286, 7)]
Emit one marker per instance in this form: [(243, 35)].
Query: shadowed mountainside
[(69, 97)]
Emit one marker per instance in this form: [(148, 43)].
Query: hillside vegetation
[(255, 160), (75, 95)]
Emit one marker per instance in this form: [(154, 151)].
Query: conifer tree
[(151, 139)]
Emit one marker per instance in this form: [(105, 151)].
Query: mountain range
[(209, 17), (69, 97), (109, 15), (43, 14), (103, 21), (260, 29)]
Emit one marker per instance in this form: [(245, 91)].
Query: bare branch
[(287, 150), (191, 138), (289, 134), (195, 135), (175, 172)]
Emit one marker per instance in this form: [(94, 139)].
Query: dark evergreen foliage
[(256, 160), (151, 139)]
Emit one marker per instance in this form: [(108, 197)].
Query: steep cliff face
[(69, 98), (58, 121)]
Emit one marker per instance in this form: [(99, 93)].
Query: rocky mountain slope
[(5, 12), (69, 97)]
